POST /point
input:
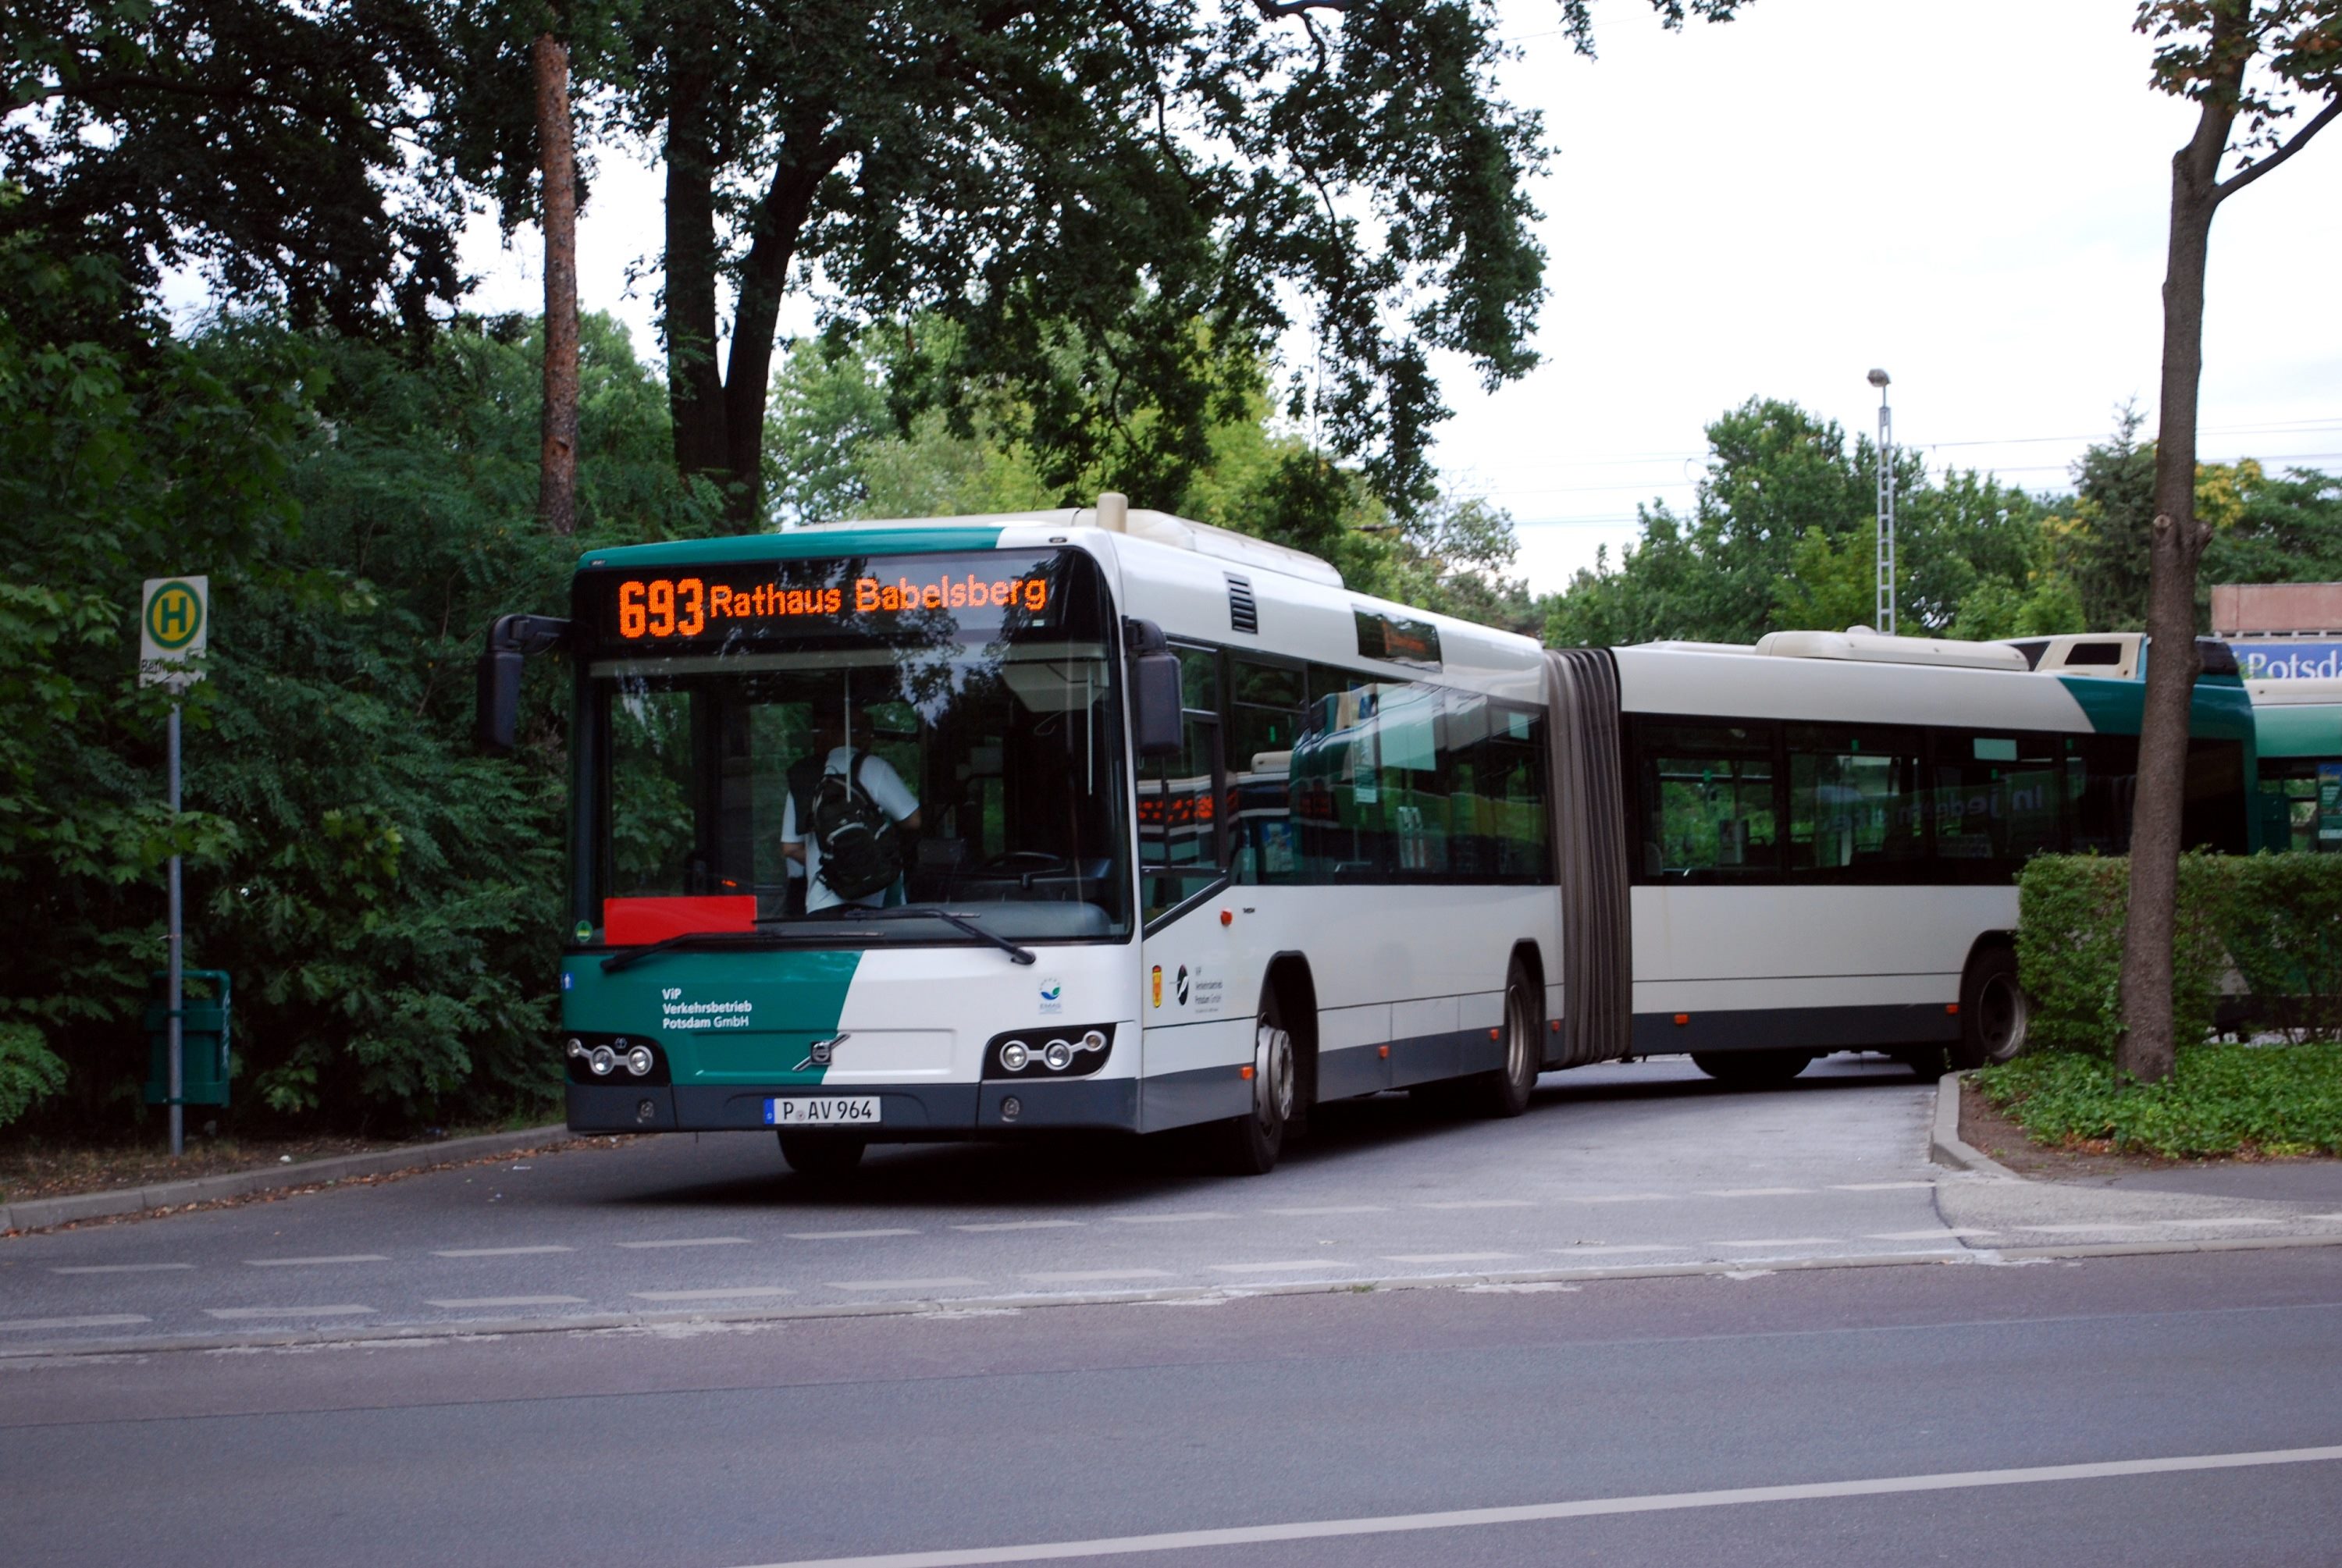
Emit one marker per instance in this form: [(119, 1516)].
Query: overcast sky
[(1971, 193)]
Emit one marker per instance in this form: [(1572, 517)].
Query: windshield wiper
[(1021, 954), (634, 956)]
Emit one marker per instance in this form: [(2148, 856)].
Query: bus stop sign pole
[(174, 631)]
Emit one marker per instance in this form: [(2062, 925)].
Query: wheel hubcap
[(1272, 1076), (2000, 1009)]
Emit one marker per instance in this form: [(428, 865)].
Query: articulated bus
[(1195, 837)]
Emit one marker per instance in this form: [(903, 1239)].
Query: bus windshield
[(971, 697)]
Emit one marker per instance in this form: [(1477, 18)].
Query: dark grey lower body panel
[(1199, 1095), (1816, 1029), (1454, 1053), (1359, 1069)]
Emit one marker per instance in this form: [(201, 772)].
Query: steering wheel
[(1026, 861)]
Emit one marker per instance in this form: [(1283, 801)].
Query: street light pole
[(1884, 615)]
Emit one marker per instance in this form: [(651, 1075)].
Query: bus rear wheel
[(1751, 1069), (1248, 1145), (1995, 1016), (821, 1154)]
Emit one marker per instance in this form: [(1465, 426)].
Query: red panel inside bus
[(635, 922)]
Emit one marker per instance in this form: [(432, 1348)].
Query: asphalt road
[(1838, 1416), (1637, 1169)]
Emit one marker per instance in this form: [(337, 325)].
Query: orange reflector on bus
[(1383, 1052), (1245, 1071), (1683, 1017), (1495, 1034), (1951, 1007), (1556, 1025)]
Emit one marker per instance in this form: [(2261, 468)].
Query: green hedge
[(2276, 919), (2268, 1100)]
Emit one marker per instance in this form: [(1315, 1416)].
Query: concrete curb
[(1944, 1145), (702, 1319), (40, 1213)]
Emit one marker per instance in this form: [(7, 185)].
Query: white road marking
[(105, 1320), (1025, 1225), (1290, 1263), (1096, 1276), (2206, 1224), (2081, 1230), (847, 1236), (1876, 1186), (1610, 1250), (1937, 1234), (459, 1302), (1479, 1204), (238, 1314), (1753, 1192), (1581, 1508), (499, 1252), (1620, 1198), (303, 1262), (1172, 1219), (728, 1293), (691, 1242), (1780, 1242), (1340, 1209), (2322, 1216), (945, 1281), (1448, 1257), (118, 1268)]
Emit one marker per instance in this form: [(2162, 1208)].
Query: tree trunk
[(556, 487), (695, 385), (2146, 1049)]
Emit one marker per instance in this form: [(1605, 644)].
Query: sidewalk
[(40, 1213)]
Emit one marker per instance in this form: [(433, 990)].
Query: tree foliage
[(388, 901), (286, 151), (1122, 207)]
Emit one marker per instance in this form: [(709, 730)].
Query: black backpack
[(861, 846)]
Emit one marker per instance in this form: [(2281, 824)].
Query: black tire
[(1505, 1092), (1248, 1145), (1751, 1069), (821, 1154), (1994, 1013)]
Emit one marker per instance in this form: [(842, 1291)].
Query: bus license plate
[(858, 1110)]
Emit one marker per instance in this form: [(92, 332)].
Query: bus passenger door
[(1195, 1019)]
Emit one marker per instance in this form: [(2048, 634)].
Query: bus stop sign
[(175, 626)]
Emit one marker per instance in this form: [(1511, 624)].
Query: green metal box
[(203, 1039)]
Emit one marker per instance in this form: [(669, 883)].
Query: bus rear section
[(1823, 836)]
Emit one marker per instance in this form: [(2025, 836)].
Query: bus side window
[(1264, 720), (1708, 809), (1855, 807), (1997, 803), (1176, 812)]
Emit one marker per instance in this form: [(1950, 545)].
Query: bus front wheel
[(821, 1154)]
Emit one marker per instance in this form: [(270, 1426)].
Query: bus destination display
[(682, 606)]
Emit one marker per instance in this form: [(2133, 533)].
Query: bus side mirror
[(511, 639), (1155, 699), (499, 699)]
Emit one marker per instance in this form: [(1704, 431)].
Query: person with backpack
[(846, 820)]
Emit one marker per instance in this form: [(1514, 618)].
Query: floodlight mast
[(1884, 613)]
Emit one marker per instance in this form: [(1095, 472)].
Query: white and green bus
[(1186, 834), (2297, 725)]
